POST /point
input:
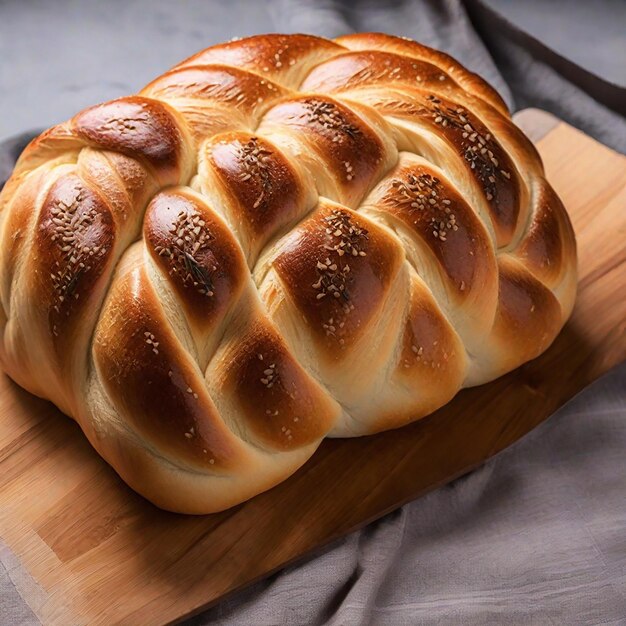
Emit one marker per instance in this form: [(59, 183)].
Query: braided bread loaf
[(281, 239)]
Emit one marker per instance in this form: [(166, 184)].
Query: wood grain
[(90, 551)]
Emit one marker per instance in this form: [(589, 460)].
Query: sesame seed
[(346, 237)]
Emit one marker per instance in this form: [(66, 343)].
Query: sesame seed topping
[(190, 240), (477, 149), (332, 275), (270, 377), (254, 160), (345, 240), (71, 220), (329, 117), (424, 192), (150, 339)]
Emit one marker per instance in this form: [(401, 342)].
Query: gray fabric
[(535, 536), (565, 28), (539, 77), (19, 593), (13, 609)]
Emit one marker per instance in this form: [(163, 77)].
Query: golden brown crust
[(218, 84), (372, 68), (281, 58), (429, 207), (337, 269), (431, 362), (548, 241), (281, 239), (280, 406), (261, 191), (467, 80), (74, 238), (197, 253), (344, 151), (215, 98), (138, 127), (134, 348)]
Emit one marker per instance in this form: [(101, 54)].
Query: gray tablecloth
[(538, 535)]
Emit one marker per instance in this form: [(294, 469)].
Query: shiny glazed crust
[(281, 239)]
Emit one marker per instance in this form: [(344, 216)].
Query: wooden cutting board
[(84, 549)]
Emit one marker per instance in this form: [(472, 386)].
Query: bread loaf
[(281, 239)]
